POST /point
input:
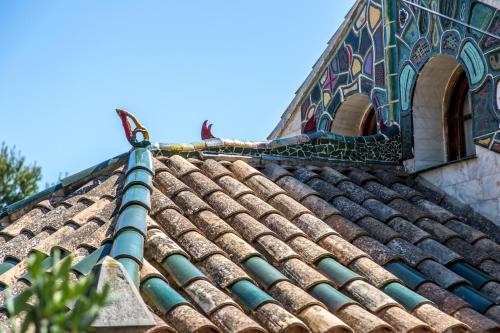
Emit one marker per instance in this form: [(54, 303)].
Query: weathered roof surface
[(233, 248)]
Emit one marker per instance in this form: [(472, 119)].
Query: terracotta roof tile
[(374, 273), (293, 297), (198, 246), (174, 223), (290, 208), (201, 184), (488, 246), (343, 251), (302, 274), (380, 210), (332, 176), (349, 230), (275, 172), (350, 209), (412, 254), (359, 176), (257, 207), (242, 170), (320, 207), (410, 211), (378, 230), (408, 230), (225, 206), (438, 320), (310, 251), (439, 231), (237, 248), (231, 319), (315, 228), (298, 190), (249, 228), (382, 192), (214, 170), (179, 166), (282, 227), (403, 321), (472, 255), (245, 229), (354, 192), (275, 249), (442, 215), (440, 274), (372, 298), (190, 203), (233, 187), (380, 253), (468, 233)]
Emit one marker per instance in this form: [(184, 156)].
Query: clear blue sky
[(66, 65)]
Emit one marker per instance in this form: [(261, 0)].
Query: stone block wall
[(475, 182)]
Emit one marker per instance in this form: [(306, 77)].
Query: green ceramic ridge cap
[(405, 296), (331, 297), (136, 194), (128, 244), (181, 269), (471, 274), (478, 301), (337, 272), (250, 295), (162, 295), (140, 158), (132, 217), (263, 272), (138, 177), (408, 275), (86, 265), (132, 268)]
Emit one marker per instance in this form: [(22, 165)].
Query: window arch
[(355, 117), (442, 117)]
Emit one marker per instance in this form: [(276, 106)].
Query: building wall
[(475, 182), (292, 127), (421, 36), (356, 66)]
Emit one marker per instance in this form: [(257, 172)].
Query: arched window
[(459, 119), (355, 117), (442, 117), (369, 124)]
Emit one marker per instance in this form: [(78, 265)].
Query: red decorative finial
[(130, 133), (206, 131)]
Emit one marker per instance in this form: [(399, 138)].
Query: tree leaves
[(56, 303), (17, 180)]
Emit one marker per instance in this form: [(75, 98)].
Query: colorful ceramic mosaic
[(421, 35), (315, 146), (359, 64)]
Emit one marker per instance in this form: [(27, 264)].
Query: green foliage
[(17, 180), (54, 303)]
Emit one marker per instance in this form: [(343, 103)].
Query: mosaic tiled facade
[(421, 35), (359, 64)]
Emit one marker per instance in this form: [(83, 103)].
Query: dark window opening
[(369, 126), (459, 121)]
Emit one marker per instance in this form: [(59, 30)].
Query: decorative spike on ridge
[(130, 133), (206, 131)]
